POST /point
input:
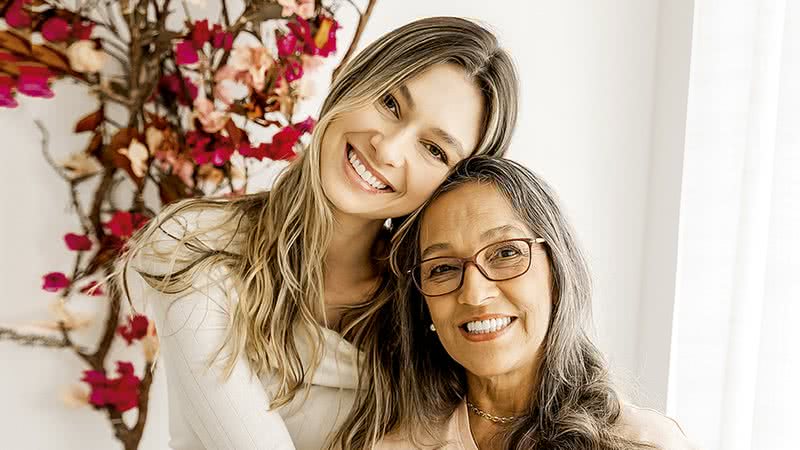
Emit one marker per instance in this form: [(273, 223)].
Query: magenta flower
[(121, 393), (185, 53), (55, 29), (306, 126), (16, 16), (55, 281), (7, 99), (123, 224), (323, 42), (288, 45), (33, 81), (222, 153), (170, 88), (78, 242), (135, 329), (200, 33), (293, 70), (82, 30), (221, 38)]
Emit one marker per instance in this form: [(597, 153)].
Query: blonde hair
[(275, 242)]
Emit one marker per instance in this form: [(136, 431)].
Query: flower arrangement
[(190, 111)]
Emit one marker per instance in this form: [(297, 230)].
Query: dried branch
[(33, 340), (362, 23)]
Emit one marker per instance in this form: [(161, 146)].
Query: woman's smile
[(360, 172), (486, 328)]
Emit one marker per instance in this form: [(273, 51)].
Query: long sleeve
[(207, 410)]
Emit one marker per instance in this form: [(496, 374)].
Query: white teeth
[(488, 326), (362, 171)]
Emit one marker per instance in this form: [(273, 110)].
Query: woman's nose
[(391, 147), (476, 288)]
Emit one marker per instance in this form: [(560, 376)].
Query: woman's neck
[(508, 395), (505, 395), (349, 268)]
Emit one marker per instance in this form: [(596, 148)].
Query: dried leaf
[(171, 188), (95, 145), (52, 58), (15, 43), (91, 121), (234, 132)]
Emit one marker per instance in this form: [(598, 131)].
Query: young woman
[(266, 305), (494, 327)]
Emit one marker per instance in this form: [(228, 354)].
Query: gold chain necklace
[(490, 417)]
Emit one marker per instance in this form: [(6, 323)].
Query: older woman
[(495, 352)]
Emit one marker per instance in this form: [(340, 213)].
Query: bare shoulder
[(648, 425)]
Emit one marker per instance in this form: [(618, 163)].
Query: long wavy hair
[(273, 244), (575, 406)]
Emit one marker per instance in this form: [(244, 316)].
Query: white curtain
[(735, 357)]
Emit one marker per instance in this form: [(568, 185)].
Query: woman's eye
[(507, 252), (441, 269), (437, 152), (390, 103)]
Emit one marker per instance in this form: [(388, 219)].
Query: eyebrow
[(444, 135), (485, 236)]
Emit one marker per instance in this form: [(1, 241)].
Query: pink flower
[(6, 56), (123, 224), (288, 45), (55, 281), (185, 53), (200, 33), (222, 154), (17, 16), (293, 70), (303, 8), (78, 242), (306, 126), (135, 329), (7, 99), (33, 81), (251, 64), (121, 393), (55, 29), (211, 119), (283, 142), (82, 30), (227, 87), (170, 88), (221, 38), (93, 289)]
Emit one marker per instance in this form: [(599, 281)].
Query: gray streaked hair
[(575, 406)]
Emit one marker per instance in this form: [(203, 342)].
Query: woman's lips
[(355, 178), (482, 337)]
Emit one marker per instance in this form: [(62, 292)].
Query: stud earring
[(433, 327)]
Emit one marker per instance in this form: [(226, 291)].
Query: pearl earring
[(433, 327)]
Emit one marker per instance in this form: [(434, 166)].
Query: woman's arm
[(220, 413)]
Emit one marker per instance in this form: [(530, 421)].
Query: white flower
[(84, 58), (153, 137), (79, 165), (138, 154)]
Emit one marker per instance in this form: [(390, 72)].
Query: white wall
[(594, 81)]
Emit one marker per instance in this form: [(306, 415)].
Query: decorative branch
[(362, 23), (176, 132)]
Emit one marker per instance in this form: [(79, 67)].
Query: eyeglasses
[(500, 261)]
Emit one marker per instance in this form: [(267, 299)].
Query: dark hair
[(575, 405)]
